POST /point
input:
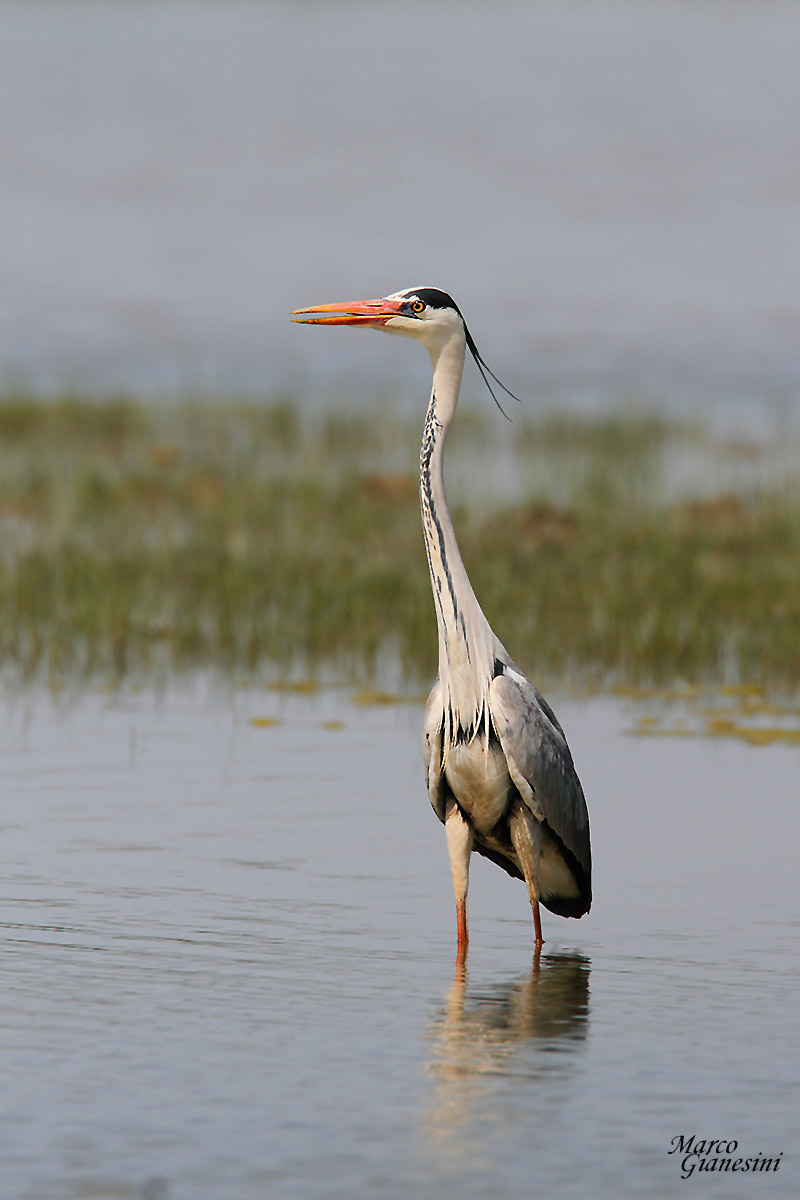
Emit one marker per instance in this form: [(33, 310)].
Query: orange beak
[(361, 312)]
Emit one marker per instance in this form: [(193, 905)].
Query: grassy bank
[(135, 538)]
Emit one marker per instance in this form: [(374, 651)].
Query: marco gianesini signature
[(717, 1155)]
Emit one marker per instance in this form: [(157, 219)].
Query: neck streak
[(467, 646)]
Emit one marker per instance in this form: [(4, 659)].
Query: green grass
[(136, 539)]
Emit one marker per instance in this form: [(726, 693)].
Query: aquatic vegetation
[(137, 539), (745, 717)]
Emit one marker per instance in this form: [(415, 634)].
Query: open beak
[(361, 312)]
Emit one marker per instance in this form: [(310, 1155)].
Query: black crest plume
[(486, 372)]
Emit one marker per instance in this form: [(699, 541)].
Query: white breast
[(479, 781)]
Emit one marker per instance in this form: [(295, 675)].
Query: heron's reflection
[(530, 1029)]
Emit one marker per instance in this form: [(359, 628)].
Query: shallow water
[(228, 961), (607, 188)]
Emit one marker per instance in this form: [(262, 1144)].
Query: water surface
[(228, 956)]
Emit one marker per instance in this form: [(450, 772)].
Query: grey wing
[(432, 751), (541, 767)]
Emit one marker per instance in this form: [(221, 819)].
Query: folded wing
[(541, 768)]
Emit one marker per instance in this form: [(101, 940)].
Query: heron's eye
[(417, 306)]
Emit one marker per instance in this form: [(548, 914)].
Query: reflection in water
[(526, 1030)]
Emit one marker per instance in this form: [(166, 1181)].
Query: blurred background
[(609, 189)]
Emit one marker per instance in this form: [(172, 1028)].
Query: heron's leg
[(460, 837), (526, 838)]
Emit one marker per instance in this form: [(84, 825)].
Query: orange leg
[(537, 926), (526, 837), (459, 846), (463, 936)]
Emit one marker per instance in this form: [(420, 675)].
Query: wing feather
[(432, 751), (541, 767)]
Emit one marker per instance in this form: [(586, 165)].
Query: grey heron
[(499, 771)]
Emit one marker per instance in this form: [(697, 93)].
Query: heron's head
[(425, 313)]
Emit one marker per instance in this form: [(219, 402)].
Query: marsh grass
[(136, 539)]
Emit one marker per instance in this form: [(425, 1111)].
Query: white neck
[(467, 645)]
